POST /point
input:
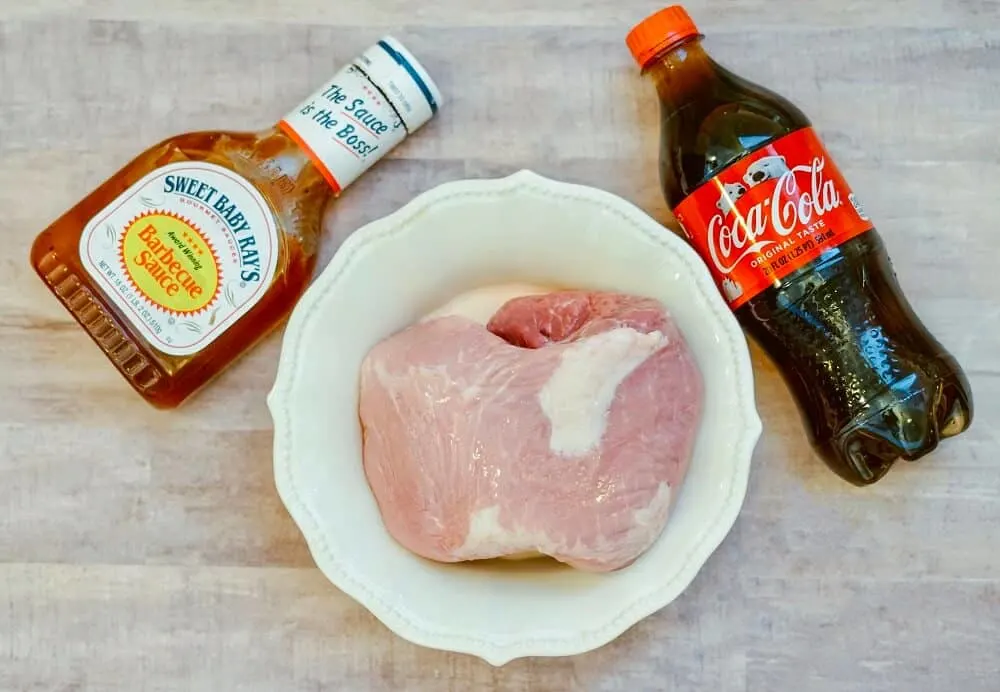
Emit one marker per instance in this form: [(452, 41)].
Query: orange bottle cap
[(658, 31)]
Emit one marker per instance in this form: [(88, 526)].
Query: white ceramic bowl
[(459, 236)]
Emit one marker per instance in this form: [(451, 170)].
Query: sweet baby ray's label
[(183, 253), (769, 214)]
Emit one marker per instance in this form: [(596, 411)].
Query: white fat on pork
[(578, 396), (480, 304), (486, 534)]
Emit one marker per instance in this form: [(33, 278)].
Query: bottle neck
[(678, 70), (363, 112)]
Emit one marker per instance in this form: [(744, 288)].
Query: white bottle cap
[(402, 80)]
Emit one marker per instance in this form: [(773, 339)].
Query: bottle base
[(907, 428), (127, 356)]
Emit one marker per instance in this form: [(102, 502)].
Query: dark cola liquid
[(872, 383)]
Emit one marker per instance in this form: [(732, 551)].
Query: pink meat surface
[(564, 428)]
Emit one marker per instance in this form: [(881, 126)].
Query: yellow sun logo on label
[(170, 262)]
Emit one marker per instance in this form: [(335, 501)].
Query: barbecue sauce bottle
[(201, 245)]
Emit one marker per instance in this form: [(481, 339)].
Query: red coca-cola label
[(769, 214)]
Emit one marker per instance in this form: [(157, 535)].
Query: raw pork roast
[(564, 428)]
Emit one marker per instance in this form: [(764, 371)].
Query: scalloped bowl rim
[(338, 568)]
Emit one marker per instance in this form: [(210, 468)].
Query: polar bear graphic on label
[(732, 289), (767, 168), (730, 194)]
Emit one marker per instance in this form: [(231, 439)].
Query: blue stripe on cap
[(418, 80)]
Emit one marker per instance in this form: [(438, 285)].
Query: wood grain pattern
[(142, 550)]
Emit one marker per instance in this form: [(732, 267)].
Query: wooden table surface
[(146, 550)]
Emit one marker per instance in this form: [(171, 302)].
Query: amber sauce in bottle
[(296, 167), (296, 194)]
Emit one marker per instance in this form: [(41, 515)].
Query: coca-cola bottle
[(798, 259)]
